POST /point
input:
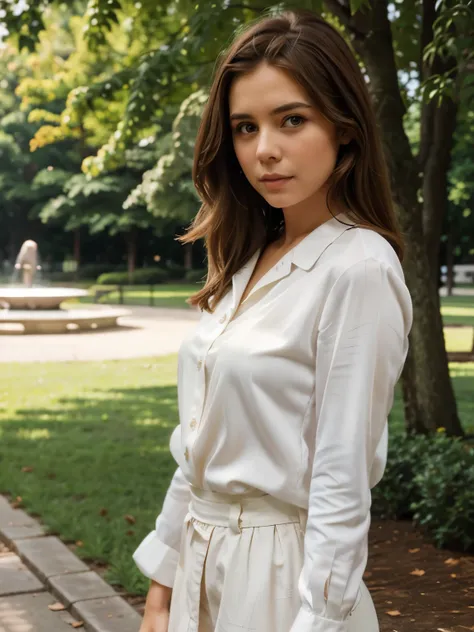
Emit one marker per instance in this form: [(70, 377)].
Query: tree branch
[(427, 109), (355, 24)]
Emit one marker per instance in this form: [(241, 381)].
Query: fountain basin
[(37, 298), (58, 321)]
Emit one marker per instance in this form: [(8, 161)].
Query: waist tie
[(237, 512)]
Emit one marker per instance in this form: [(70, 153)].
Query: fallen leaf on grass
[(79, 543), (56, 607), (103, 512), (418, 572), (393, 613), (77, 624), (17, 502), (413, 550), (130, 519), (27, 468)]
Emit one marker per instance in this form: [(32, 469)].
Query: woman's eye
[(294, 121), (245, 128)]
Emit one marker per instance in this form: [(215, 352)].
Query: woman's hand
[(157, 611), (155, 621)]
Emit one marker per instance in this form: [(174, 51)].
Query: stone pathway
[(44, 587), (148, 331)]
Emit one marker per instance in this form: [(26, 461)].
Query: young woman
[(285, 386)]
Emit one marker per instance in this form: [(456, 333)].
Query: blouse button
[(186, 454), (193, 423), (223, 318), (199, 364)]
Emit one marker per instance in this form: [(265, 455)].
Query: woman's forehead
[(264, 89)]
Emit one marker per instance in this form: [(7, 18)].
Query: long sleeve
[(158, 554), (361, 348)]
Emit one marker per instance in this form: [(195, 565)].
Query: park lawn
[(85, 446), (457, 310), (168, 295)]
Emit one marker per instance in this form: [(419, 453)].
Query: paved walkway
[(147, 331), (44, 587)]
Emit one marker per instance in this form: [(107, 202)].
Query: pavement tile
[(107, 615), (15, 577), (10, 517), (13, 533), (48, 556), (80, 586), (29, 613)]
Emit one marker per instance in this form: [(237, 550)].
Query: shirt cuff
[(156, 560), (307, 621)]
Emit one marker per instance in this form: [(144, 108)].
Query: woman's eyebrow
[(281, 108)]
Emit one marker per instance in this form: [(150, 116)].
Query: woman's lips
[(277, 183)]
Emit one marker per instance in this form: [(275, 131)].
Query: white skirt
[(240, 561)]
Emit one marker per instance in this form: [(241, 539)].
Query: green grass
[(457, 310), (458, 338), (169, 295), (96, 437)]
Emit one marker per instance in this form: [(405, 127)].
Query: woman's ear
[(345, 137)]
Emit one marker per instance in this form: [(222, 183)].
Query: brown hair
[(234, 219)]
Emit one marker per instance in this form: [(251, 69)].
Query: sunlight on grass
[(458, 338)]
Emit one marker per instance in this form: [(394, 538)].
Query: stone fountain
[(34, 309)]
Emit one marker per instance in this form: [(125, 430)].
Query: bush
[(431, 480), (93, 270), (175, 271), (196, 276), (141, 276), (445, 504)]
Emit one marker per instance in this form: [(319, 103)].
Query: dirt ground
[(416, 587)]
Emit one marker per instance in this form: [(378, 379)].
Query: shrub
[(196, 276), (93, 270), (175, 271), (141, 276), (444, 507), (431, 480)]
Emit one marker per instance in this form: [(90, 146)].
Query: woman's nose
[(267, 147)]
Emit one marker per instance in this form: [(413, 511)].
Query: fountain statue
[(27, 262), (38, 309)]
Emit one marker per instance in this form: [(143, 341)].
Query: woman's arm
[(158, 554), (361, 348)]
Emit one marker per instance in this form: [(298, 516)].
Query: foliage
[(431, 480), (196, 276), (141, 276), (445, 504)]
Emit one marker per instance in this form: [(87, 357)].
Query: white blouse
[(289, 394)]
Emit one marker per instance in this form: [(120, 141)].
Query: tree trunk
[(77, 250), (188, 256), (450, 263), (438, 124), (427, 388), (131, 253)]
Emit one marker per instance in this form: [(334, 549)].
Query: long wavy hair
[(234, 219)]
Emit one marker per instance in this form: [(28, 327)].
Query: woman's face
[(278, 133)]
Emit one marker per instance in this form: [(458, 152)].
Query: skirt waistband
[(240, 512)]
